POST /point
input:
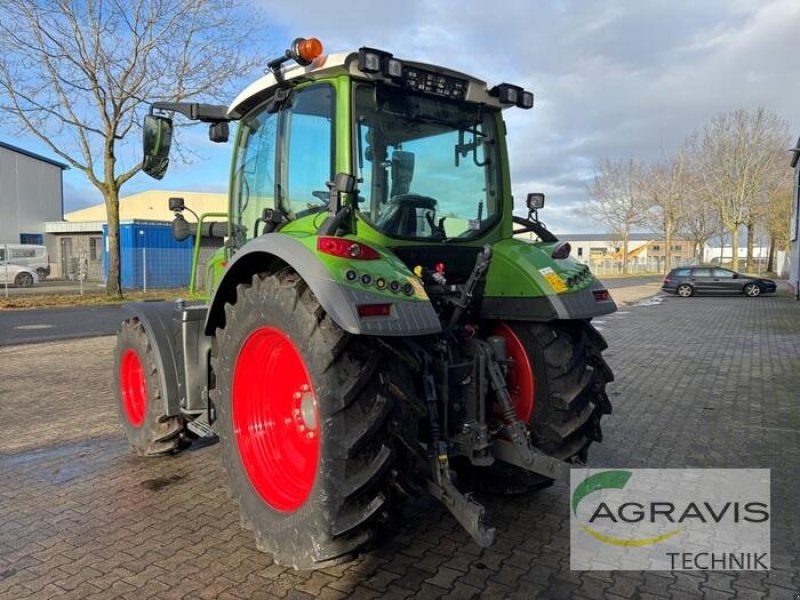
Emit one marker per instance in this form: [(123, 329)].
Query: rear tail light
[(601, 295), (374, 310), (345, 248), (667, 280)]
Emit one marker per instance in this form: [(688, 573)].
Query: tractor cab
[(425, 144)]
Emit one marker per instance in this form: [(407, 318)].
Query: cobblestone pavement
[(701, 382)]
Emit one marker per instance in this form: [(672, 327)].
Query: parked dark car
[(687, 281)]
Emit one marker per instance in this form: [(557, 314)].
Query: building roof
[(153, 206), (29, 154), (597, 237), (80, 227)]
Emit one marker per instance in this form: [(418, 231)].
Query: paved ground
[(701, 382), (634, 280)]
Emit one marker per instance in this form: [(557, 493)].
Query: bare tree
[(78, 74), (619, 199), (700, 222), (738, 158), (667, 189), (777, 219)]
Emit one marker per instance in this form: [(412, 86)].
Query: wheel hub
[(133, 387), (275, 420)]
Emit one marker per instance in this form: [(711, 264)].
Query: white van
[(27, 255)]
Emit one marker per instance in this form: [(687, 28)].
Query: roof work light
[(512, 94), (303, 51)]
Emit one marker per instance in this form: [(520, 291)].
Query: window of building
[(656, 247), (95, 248), (31, 238), (580, 251)]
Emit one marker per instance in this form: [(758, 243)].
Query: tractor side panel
[(325, 275), (525, 283)]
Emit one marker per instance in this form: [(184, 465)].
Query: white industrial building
[(31, 193)]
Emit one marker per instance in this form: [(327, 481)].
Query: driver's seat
[(403, 214)]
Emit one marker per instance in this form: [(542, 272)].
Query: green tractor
[(373, 330)]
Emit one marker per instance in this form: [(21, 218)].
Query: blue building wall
[(150, 255)]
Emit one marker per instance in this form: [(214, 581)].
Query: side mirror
[(156, 138), (535, 200)]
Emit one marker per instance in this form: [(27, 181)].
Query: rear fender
[(275, 251)]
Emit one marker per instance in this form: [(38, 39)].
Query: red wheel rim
[(519, 380), (133, 387), (275, 419)]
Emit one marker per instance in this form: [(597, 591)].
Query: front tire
[(303, 424), (752, 290), (140, 404)]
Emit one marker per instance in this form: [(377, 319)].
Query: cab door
[(285, 156)]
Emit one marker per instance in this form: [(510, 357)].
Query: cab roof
[(340, 64)]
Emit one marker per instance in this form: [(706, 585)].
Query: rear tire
[(23, 280), (324, 498), (569, 397), (140, 404), (684, 290)]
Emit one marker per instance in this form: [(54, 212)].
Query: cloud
[(611, 79)]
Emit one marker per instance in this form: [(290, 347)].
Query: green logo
[(611, 480)]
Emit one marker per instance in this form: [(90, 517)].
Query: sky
[(611, 79)]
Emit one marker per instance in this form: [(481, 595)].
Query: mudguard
[(161, 332), (273, 251), (180, 350)]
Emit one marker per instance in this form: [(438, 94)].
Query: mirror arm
[(208, 113)]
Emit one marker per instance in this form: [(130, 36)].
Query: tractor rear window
[(428, 167)]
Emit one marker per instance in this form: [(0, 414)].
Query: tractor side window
[(254, 177), (309, 151)]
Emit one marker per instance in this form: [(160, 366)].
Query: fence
[(143, 269), (603, 267), (156, 268)]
